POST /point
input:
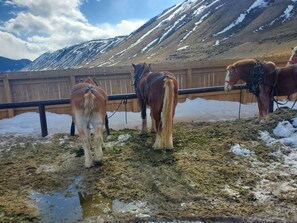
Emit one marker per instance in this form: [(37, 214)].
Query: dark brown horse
[(264, 80), (88, 104), (159, 91), (293, 58)]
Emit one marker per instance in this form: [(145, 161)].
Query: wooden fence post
[(43, 122), (8, 96), (189, 81), (72, 81)]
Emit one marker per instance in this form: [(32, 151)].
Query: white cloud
[(51, 25), (123, 28), (13, 47)]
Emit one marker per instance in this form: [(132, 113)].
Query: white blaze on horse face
[(293, 58), (227, 86)]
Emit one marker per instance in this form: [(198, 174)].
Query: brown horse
[(293, 58), (264, 80), (159, 91), (88, 104)]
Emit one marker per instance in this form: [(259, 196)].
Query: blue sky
[(29, 28)]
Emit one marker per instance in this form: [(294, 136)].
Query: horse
[(159, 91), (293, 58), (264, 80), (88, 105)]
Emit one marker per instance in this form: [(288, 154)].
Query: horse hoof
[(88, 165), (157, 147), (263, 121), (143, 133), (169, 148), (97, 163)]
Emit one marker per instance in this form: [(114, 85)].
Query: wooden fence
[(56, 84)]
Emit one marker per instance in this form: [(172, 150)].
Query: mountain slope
[(195, 30), (7, 64), (74, 55)]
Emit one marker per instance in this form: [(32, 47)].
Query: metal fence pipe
[(42, 104)]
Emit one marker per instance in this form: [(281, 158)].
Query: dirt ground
[(199, 181)]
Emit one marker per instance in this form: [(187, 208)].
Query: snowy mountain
[(192, 30), (75, 55)]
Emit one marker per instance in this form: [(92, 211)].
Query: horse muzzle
[(227, 86)]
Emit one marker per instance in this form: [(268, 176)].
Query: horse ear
[(134, 66), (150, 65), (229, 67)]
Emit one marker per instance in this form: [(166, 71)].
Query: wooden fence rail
[(56, 84)]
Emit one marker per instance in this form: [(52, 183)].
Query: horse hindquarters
[(83, 118), (164, 136)]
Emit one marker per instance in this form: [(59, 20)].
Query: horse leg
[(263, 103), (84, 133), (260, 107), (159, 139), (153, 128), (143, 116), (97, 121), (107, 125)]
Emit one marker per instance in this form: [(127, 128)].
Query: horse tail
[(168, 113), (89, 98)]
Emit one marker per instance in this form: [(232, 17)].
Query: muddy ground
[(199, 181)]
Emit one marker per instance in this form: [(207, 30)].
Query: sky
[(29, 28)]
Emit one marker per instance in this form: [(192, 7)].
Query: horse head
[(139, 71), (244, 70), (269, 66), (232, 77), (293, 58)]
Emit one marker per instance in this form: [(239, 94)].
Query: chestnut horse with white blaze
[(264, 80), (88, 104), (159, 91), (293, 58)]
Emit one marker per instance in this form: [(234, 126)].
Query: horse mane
[(244, 62), (241, 63), (269, 63), (90, 80), (146, 67)]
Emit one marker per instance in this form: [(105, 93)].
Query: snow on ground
[(28, 124), (237, 150)]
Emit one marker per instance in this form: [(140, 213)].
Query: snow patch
[(239, 151), (257, 4), (182, 48)]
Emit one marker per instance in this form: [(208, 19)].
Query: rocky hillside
[(192, 30)]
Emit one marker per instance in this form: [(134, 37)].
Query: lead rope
[(125, 101), (239, 110), (116, 110)]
